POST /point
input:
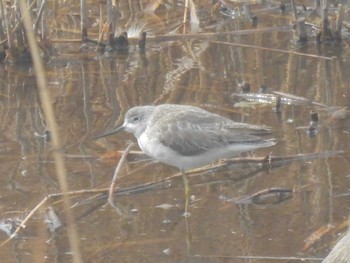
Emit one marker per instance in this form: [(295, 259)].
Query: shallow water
[(91, 93)]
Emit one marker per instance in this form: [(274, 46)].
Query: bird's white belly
[(164, 154), (158, 151)]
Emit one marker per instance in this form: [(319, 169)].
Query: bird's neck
[(140, 129)]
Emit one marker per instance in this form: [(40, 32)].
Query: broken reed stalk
[(325, 21), (83, 20), (185, 17), (116, 173), (52, 124)]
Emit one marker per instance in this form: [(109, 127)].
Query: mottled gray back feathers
[(192, 131)]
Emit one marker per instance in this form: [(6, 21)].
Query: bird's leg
[(187, 192)]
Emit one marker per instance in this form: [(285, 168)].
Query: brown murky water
[(91, 93)]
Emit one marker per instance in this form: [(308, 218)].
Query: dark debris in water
[(313, 126), (266, 197)]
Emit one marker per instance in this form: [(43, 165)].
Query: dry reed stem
[(9, 35), (43, 201), (273, 49), (172, 37), (38, 18), (51, 122), (83, 19), (23, 223), (116, 173), (294, 8), (277, 259), (185, 17), (3, 24)]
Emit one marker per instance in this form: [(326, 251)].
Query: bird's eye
[(136, 118)]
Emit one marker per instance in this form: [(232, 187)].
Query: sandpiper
[(189, 137)]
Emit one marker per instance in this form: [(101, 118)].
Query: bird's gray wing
[(195, 134)]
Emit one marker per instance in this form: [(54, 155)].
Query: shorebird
[(188, 137)]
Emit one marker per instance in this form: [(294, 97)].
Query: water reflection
[(92, 92)]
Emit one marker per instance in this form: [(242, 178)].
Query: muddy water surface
[(92, 91)]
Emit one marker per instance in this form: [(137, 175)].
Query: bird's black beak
[(119, 129)]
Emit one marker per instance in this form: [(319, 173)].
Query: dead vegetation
[(321, 25)]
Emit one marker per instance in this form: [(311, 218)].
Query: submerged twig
[(282, 160), (266, 196)]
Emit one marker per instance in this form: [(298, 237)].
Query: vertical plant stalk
[(300, 24), (325, 21), (51, 122), (339, 21), (40, 17), (2, 25), (8, 28), (294, 7), (19, 32), (111, 18), (185, 17), (83, 20), (302, 30)]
